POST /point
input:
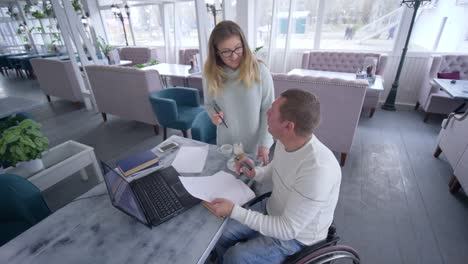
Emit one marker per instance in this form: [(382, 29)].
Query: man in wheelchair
[(306, 181)]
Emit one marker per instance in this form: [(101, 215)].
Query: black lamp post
[(118, 13), (390, 101), (212, 8)]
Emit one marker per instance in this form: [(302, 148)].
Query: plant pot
[(31, 166)]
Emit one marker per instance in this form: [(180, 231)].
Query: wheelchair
[(326, 251)]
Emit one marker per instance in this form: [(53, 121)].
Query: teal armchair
[(203, 129), (176, 108), (22, 206)]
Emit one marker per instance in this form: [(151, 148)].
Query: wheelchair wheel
[(332, 254)]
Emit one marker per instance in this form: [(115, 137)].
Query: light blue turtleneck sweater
[(244, 110)]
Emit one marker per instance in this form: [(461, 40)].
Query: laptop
[(151, 199)]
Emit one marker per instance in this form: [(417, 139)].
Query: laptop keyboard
[(160, 202)]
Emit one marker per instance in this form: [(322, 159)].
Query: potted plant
[(27, 9), (48, 10), (22, 145), (104, 47), (38, 14), (76, 5)]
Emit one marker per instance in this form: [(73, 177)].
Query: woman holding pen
[(239, 91)]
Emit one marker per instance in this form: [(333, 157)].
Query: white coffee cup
[(225, 149)]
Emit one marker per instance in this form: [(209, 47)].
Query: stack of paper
[(190, 159), (220, 185)]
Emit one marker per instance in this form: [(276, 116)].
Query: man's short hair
[(303, 109)]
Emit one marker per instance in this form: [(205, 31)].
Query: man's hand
[(247, 172), (220, 207), (216, 118), (263, 155)]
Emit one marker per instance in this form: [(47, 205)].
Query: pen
[(243, 163), (217, 110)]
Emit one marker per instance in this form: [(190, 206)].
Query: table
[(11, 105), (172, 70), (22, 61), (61, 162), (457, 90), (91, 230)]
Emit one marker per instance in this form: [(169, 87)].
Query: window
[(115, 32), (304, 24), (188, 24), (10, 40), (370, 25), (263, 23), (441, 28), (147, 26)]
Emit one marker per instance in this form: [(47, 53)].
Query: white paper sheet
[(220, 185), (190, 159)]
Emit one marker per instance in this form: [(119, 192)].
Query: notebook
[(137, 162), (152, 199)]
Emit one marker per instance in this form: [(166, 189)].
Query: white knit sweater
[(306, 184), (244, 110)]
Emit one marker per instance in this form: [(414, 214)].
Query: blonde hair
[(249, 71)]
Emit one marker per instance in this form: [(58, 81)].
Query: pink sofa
[(124, 91), (431, 98), (453, 142), (346, 62), (340, 105), (56, 78)]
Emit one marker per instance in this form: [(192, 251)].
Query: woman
[(239, 91)]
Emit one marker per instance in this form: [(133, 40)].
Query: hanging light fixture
[(127, 10), (115, 9), (118, 14), (84, 20)]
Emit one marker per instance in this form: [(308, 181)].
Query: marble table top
[(171, 70), (91, 230), (458, 89)]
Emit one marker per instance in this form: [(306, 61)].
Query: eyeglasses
[(229, 53)]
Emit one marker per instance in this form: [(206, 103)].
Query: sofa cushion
[(449, 75)]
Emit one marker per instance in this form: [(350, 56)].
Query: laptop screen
[(121, 194)]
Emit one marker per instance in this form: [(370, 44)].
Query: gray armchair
[(138, 55), (340, 103), (124, 91), (431, 98), (453, 142), (56, 78)]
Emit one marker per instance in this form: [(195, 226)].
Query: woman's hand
[(216, 118), (263, 155)]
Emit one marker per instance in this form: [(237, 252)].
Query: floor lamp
[(118, 13), (212, 8), (390, 101)]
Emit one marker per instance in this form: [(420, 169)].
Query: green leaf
[(10, 138), (3, 149)]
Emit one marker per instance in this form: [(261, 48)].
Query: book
[(138, 162)]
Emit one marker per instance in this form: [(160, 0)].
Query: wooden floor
[(394, 204)]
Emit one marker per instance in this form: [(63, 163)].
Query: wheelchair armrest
[(257, 199)]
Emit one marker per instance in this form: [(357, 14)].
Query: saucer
[(231, 164)]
